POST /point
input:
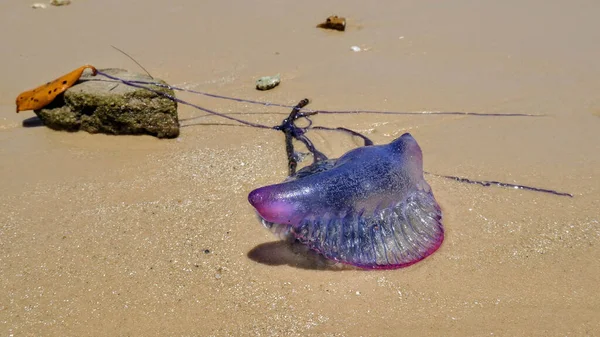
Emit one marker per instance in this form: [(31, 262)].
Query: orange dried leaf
[(43, 95)]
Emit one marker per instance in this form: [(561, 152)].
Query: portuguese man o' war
[(370, 208)]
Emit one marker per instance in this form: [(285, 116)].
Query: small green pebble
[(268, 82)]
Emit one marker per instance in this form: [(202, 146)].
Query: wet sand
[(134, 236)]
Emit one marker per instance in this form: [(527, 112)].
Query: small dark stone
[(207, 251), (334, 22)]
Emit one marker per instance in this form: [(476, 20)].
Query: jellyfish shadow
[(293, 254)]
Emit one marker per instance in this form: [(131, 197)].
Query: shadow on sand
[(293, 254), (32, 122)]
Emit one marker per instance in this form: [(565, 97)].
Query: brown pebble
[(334, 22)]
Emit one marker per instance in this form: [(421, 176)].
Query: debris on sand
[(334, 22), (60, 2), (268, 82), (43, 95)]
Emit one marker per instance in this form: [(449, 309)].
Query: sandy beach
[(135, 236)]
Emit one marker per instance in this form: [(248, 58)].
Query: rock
[(98, 105), (334, 22), (60, 2), (268, 82)]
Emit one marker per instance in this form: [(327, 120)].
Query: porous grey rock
[(99, 105)]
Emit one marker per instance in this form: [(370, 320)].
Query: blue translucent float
[(370, 208)]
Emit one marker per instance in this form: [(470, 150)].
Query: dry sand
[(106, 236)]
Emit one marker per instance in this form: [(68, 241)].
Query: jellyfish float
[(370, 208)]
